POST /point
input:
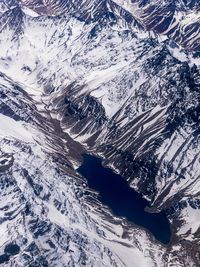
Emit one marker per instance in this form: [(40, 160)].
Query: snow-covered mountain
[(179, 20), (119, 79)]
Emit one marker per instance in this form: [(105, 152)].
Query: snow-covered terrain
[(95, 76)]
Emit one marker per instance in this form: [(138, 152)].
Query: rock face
[(120, 79)]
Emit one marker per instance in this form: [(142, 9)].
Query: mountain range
[(118, 79)]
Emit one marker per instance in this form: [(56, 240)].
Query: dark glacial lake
[(124, 201)]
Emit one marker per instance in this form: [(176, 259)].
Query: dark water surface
[(115, 192)]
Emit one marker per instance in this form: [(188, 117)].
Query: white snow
[(191, 218), (29, 12), (11, 128)]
